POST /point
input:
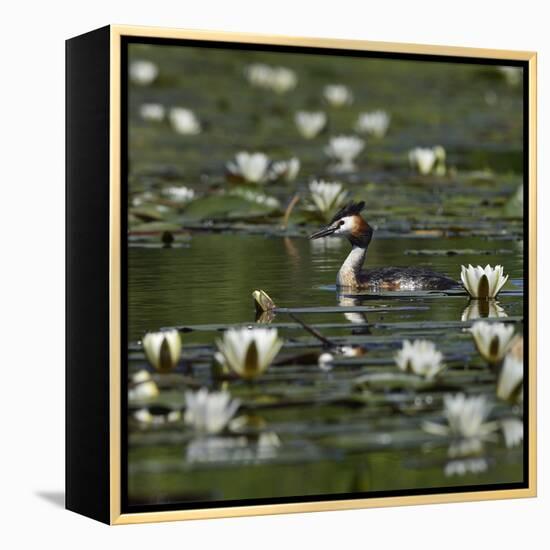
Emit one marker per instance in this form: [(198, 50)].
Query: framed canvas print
[(300, 274)]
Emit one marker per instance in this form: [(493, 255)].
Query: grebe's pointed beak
[(325, 232)]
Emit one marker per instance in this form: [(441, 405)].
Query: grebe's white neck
[(349, 272)]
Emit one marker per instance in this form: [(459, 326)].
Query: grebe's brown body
[(349, 223)]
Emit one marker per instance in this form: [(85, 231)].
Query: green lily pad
[(155, 227), (222, 207), (147, 213)]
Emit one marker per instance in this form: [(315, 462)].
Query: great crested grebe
[(349, 223)]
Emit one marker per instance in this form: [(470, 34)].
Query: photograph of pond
[(325, 274)]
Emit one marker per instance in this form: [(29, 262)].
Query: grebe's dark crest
[(349, 223)]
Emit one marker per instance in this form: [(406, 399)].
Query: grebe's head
[(348, 222)]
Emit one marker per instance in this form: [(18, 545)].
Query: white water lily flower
[(482, 309), (180, 194), (428, 160), (423, 159), (466, 421), (285, 168), (512, 431), (209, 412), (162, 349), (420, 357), (152, 111), (512, 75), (338, 95), (282, 80), (344, 149), (327, 196), (277, 79), (142, 387), (252, 167), (375, 123), (483, 283), (184, 121), (143, 72), (493, 340), (510, 380), (259, 75), (466, 466), (466, 418), (249, 352), (309, 124)]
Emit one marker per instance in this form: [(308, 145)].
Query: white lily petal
[(471, 278), (235, 345), (209, 412), (253, 167), (493, 340), (420, 357), (337, 95), (310, 124), (184, 121), (510, 378)]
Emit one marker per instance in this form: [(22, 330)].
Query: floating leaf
[(146, 213), (222, 207), (155, 227)]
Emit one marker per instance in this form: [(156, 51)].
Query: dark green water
[(211, 279)]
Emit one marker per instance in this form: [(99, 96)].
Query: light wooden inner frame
[(119, 31)]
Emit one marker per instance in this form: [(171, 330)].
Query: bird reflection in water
[(355, 317)]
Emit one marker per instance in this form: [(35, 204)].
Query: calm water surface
[(329, 443), (212, 278)]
